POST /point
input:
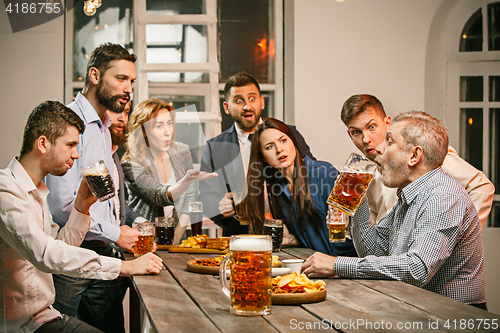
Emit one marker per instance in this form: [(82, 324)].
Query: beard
[(118, 138), (109, 101), (56, 170), (394, 173)]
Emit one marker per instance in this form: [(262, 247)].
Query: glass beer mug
[(352, 184), (250, 266)]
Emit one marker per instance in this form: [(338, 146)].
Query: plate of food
[(296, 288), (211, 266), (202, 244), (205, 266)]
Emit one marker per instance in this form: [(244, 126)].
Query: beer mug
[(99, 180), (352, 184), (238, 197), (250, 266), (337, 223), (196, 217), (146, 238), (164, 230), (274, 228)]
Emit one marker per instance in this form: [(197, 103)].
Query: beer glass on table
[(337, 222), (146, 238), (352, 184), (99, 180), (274, 228), (165, 230), (196, 217), (250, 266)]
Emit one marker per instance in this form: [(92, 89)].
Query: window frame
[(471, 63)]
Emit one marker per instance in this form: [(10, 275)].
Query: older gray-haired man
[(431, 238)]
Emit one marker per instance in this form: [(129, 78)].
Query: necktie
[(250, 136)]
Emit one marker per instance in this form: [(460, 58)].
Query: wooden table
[(177, 300)]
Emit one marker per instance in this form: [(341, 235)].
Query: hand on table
[(148, 263), (319, 265)]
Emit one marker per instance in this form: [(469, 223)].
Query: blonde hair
[(137, 143)]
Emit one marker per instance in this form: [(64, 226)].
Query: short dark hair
[(103, 55), (357, 104), (50, 118), (239, 80)]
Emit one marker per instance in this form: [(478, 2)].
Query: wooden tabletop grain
[(177, 300)]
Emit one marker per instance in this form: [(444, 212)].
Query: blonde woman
[(158, 170)]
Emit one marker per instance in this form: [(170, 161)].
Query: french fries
[(296, 283), (276, 261), (195, 242), (203, 242)]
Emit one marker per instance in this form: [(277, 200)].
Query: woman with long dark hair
[(297, 188)]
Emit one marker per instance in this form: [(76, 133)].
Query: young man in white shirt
[(31, 246)]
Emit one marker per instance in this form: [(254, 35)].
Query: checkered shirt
[(431, 238)]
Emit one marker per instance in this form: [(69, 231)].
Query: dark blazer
[(222, 154), (127, 215)]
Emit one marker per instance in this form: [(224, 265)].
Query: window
[(251, 41), (478, 99), (113, 22), (181, 45)]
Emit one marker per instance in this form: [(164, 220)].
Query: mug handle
[(223, 275)]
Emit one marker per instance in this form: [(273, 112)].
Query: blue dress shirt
[(95, 145)]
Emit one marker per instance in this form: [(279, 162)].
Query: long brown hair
[(260, 173)]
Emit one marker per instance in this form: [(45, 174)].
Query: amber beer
[(146, 238), (337, 232), (348, 190), (250, 283)]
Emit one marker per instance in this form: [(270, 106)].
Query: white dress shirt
[(31, 249), (480, 189), (245, 146)]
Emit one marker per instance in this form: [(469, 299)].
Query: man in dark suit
[(228, 153)]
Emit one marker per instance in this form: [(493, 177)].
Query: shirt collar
[(88, 111), (22, 176), (242, 135), (410, 191)]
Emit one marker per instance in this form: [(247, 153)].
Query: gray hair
[(421, 129), (357, 104)]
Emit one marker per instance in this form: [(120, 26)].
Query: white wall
[(32, 71), (358, 46)]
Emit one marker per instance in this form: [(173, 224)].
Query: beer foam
[(96, 170), (251, 244)]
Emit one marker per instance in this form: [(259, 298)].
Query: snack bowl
[(293, 264)]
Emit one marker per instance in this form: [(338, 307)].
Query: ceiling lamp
[(90, 6)]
